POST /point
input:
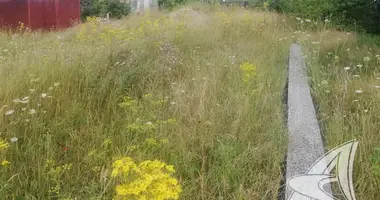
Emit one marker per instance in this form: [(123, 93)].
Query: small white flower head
[(347, 68), (366, 59), (17, 100), (327, 20), (358, 91), (27, 120), (38, 105), (32, 111), (208, 123), (378, 78), (182, 91), (298, 19), (193, 79), (56, 84), (173, 103), (359, 65), (377, 56), (357, 76), (24, 100), (9, 112), (329, 53), (307, 20), (149, 123), (14, 139), (32, 90), (336, 57), (43, 95), (324, 82), (365, 110), (50, 88), (348, 49), (377, 86), (23, 109), (356, 100), (344, 116)]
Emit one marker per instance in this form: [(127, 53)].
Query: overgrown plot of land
[(198, 90)]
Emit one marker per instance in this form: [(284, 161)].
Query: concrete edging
[(305, 145)]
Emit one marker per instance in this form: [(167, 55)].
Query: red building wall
[(39, 14), (68, 13), (12, 12)]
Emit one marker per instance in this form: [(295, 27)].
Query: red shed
[(39, 14)]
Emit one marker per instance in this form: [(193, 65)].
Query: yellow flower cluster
[(147, 180), (3, 147), (249, 71), (225, 18), (265, 5)]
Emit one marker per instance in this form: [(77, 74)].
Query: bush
[(352, 14), (100, 8)]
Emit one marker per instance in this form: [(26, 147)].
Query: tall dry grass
[(148, 87)]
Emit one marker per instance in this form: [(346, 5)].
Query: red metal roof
[(39, 14)]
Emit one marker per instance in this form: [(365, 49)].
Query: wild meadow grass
[(175, 106), (345, 79)]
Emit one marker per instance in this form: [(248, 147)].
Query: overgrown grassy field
[(345, 79), (197, 90)]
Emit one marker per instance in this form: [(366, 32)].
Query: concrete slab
[(305, 141)]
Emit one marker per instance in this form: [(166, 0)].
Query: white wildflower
[(43, 95), (14, 139), (358, 91), (347, 68), (9, 112), (56, 84), (32, 111)]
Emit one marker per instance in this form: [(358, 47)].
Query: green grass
[(345, 73), (224, 137)]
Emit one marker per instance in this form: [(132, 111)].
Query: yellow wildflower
[(5, 162), (148, 180), (249, 71), (3, 145)]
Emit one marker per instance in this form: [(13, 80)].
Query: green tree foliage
[(354, 14), (100, 8)]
